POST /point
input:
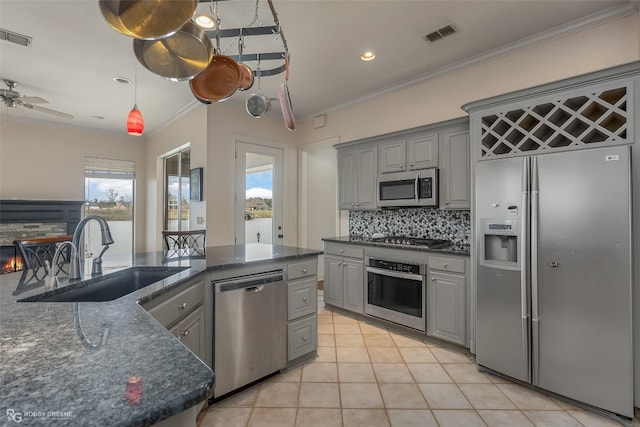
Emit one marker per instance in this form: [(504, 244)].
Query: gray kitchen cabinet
[(422, 151), (182, 312), (357, 171), (302, 303), (412, 152), (191, 332), (344, 277), (455, 172), (393, 155), (446, 299)]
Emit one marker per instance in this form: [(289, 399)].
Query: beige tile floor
[(368, 376)]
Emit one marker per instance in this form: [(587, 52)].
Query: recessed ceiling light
[(368, 56), (205, 21), (123, 80)]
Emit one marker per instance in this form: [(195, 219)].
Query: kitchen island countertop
[(69, 363)]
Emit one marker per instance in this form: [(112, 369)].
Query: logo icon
[(14, 416)]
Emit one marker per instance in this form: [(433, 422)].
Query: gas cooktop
[(411, 241)]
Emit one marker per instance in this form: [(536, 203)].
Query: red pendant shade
[(135, 122)]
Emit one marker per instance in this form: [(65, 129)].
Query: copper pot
[(218, 81), (178, 57), (246, 77), (147, 19)]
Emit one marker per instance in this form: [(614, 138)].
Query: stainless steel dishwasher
[(250, 329)]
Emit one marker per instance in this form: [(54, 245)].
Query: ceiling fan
[(14, 99)]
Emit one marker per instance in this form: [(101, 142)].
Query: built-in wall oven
[(396, 291)]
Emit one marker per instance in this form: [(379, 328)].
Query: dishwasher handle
[(251, 283)]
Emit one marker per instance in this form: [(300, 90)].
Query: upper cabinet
[(412, 152), (442, 145), (455, 177), (357, 177)]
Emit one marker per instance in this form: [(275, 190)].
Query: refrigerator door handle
[(524, 264), (534, 270)]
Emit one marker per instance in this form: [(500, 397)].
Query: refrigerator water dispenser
[(500, 243)]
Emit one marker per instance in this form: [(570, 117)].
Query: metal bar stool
[(184, 239), (35, 252)]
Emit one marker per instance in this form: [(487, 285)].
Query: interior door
[(584, 277), (258, 194)]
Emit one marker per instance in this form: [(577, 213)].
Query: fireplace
[(33, 219)]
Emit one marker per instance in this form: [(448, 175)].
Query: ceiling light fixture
[(368, 56), (135, 122), (205, 21), (123, 80)]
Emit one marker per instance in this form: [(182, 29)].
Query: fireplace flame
[(13, 264)]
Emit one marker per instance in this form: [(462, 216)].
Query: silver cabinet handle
[(553, 264), (444, 265), (340, 263), (341, 251), (304, 270), (185, 332), (433, 278), (305, 339), (183, 306), (305, 299)]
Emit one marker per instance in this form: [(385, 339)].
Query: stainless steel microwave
[(404, 189)]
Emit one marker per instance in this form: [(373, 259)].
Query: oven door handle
[(415, 188), (397, 274)]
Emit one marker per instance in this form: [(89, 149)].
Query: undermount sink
[(108, 287)]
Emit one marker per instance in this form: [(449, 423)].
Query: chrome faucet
[(105, 233)]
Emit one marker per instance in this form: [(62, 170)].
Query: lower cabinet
[(302, 326), (446, 299), (191, 331), (344, 277), (182, 312)]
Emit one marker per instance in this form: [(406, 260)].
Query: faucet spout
[(107, 239)]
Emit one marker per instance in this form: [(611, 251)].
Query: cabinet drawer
[(302, 269), (345, 250), (302, 298), (301, 337), (447, 264), (174, 308)]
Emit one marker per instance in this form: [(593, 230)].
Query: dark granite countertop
[(451, 249), (69, 363)]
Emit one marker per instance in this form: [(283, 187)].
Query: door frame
[(244, 145)]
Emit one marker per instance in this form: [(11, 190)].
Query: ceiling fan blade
[(34, 100), (48, 111)]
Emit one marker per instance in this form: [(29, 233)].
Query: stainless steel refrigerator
[(554, 273)]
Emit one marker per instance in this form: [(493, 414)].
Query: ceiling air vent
[(15, 37), (442, 32)]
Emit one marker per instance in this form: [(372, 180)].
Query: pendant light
[(135, 122)]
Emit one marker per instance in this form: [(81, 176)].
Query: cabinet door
[(393, 156), (455, 173), (422, 151), (333, 289), (354, 285), (446, 302), (367, 178), (191, 332), (347, 172)]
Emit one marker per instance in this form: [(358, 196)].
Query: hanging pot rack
[(264, 30)]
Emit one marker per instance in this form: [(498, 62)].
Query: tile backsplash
[(451, 225)]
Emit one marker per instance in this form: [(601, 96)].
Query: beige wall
[(188, 129), (46, 162), (228, 123)]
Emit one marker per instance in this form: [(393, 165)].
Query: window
[(109, 193), (176, 190)]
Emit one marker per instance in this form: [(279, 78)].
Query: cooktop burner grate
[(410, 241)]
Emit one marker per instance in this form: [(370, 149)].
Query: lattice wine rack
[(600, 116)]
